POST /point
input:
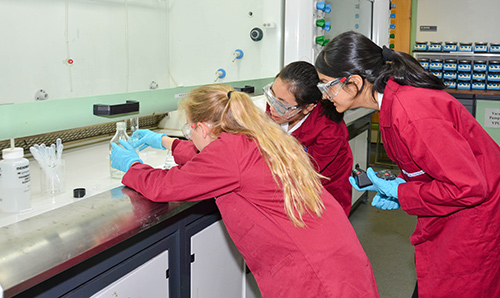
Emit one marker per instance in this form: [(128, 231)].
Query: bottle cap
[(13, 153), (79, 192)]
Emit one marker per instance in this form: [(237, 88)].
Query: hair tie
[(387, 54), (229, 94)]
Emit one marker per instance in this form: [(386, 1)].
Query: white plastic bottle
[(121, 134), (15, 182)]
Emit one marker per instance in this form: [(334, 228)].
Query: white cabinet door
[(252, 289), (148, 280), (359, 148), (218, 270)]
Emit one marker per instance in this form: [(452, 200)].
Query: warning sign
[(492, 118)]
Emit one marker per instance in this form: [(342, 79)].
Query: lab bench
[(80, 249), (114, 241), (93, 246)]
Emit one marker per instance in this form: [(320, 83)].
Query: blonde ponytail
[(291, 167)]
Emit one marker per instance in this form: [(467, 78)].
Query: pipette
[(59, 147), (49, 159)]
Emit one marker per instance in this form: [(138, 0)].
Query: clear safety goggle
[(332, 88), (187, 130), (284, 110)]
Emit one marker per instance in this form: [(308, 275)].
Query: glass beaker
[(52, 179)]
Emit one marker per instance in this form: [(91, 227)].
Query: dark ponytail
[(303, 79), (352, 53)]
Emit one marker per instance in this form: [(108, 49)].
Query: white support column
[(381, 22), (299, 35)]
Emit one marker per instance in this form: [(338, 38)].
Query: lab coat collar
[(317, 109), (388, 98)]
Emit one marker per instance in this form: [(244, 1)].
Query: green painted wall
[(413, 33), (481, 105), (33, 118)]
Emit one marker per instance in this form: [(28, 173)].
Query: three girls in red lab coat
[(294, 237), (450, 166), (295, 102)]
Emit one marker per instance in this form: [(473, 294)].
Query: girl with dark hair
[(450, 166), (293, 236), (295, 102)]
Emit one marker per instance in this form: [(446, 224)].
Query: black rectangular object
[(130, 106), (246, 89), (463, 96), (429, 28), (466, 102), (488, 96), (361, 177)]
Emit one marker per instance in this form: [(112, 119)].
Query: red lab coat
[(453, 171), (328, 144), (324, 259)]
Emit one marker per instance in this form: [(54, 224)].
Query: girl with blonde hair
[(294, 237)]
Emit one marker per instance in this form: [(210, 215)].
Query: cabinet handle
[(192, 258)]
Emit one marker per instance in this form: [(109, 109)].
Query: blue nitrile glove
[(123, 157), (380, 201), (388, 188), (384, 202), (143, 138)]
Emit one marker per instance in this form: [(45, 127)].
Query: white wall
[(116, 46), (459, 21), (123, 45), (203, 36)]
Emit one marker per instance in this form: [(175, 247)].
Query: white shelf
[(458, 55)]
